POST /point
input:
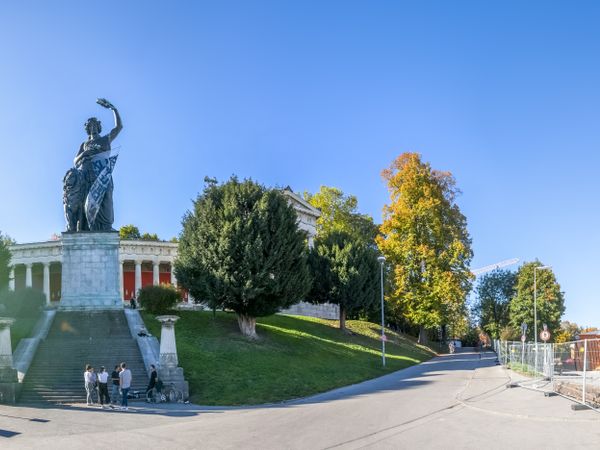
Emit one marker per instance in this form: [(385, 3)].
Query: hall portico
[(39, 266)]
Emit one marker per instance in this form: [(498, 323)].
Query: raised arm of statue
[(118, 123)]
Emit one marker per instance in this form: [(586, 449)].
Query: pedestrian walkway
[(450, 402)]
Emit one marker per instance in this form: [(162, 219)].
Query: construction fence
[(571, 368)]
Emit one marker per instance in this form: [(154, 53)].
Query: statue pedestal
[(9, 386), (90, 271), (168, 370)]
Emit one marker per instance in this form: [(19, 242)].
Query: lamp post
[(535, 269), (381, 260), (535, 333)]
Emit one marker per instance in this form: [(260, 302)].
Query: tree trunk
[(247, 326), (342, 318), (444, 334), (422, 335)]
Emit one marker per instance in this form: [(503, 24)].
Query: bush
[(26, 303), (158, 299)]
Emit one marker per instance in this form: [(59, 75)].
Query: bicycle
[(162, 394)]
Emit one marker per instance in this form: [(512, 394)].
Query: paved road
[(450, 402)]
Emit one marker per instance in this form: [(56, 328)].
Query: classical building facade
[(142, 263)]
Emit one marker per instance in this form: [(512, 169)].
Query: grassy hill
[(294, 357)]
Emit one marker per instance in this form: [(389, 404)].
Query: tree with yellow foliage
[(426, 243)]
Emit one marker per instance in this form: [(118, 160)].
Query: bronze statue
[(88, 187)]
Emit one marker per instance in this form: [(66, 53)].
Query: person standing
[(103, 387), (152, 383), (125, 382), (89, 385), (114, 376)]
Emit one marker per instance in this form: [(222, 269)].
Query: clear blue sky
[(504, 95)]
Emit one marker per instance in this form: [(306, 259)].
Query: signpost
[(523, 339)]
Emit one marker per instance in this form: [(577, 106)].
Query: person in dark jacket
[(153, 379)]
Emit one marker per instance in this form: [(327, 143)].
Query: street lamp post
[(535, 333), (381, 260)]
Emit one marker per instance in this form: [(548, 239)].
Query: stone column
[(121, 275), (168, 370), (138, 276), (155, 273), (9, 386), (28, 277), (6, 359), (47, 282), (11, 279), (173, 277), (168, 346)]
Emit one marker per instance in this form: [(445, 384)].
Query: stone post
[(8, 374), (47, 282), (168, 346), (11, 279), (169, 371)]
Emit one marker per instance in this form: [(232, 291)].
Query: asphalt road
[(450, 402)]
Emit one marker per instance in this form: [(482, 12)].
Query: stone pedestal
[(90, 271), (168, 370), (9, 386)]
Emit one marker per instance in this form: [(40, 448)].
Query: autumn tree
[(494, 293), (345, 272), (550, 299), (339, 212), (425, 239), (568, 332), (241, 249)]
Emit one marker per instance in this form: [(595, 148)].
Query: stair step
[(74, 340)]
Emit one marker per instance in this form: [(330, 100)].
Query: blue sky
[(505, 95)]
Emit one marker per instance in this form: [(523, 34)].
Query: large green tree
[(345, 272), (5, 257), (494, 293), (550, 299), (339, 212), (241, 249), (425, 239)]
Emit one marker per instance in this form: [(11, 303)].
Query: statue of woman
[(94, 163)]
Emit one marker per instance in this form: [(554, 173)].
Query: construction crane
[(498, 265)]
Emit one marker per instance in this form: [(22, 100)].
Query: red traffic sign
[(545, 335)]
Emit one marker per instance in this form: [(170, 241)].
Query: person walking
[(103, 387), (114, 376), (152, 383), (125, 382), (89, 385)]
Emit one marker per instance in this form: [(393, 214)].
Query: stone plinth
[(90, 271), (168, 370), (9, 386)]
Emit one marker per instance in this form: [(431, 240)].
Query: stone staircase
[(100, 338)]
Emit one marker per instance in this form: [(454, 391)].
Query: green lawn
[(22, 328), (294, 357)]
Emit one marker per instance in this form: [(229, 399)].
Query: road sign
[(523, 338), (545, 335), (384, 338), (523, 328)]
